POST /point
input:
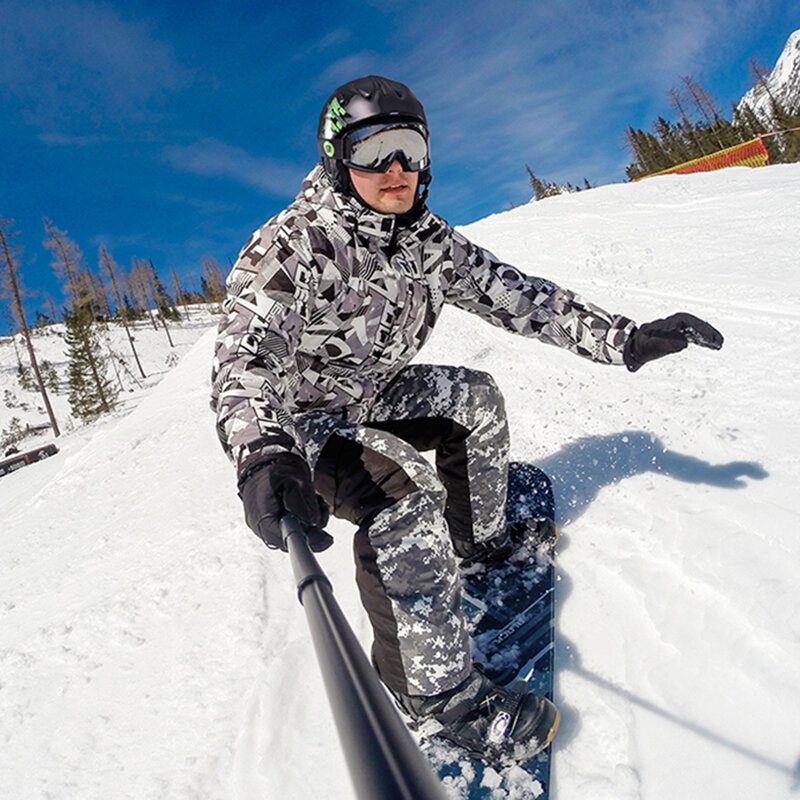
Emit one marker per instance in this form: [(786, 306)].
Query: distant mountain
[(782, 84)]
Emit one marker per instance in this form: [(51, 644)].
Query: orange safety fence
[(749, 154)]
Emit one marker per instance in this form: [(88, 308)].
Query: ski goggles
[(375, 148)]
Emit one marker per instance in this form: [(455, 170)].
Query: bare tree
[(13, 329), (69, 265), (181, 296), (213, 281), (108, 264), (676, 100), (99, 296), (705, 105), (708, 108), (12, 283), (138, 286), (760, 75), (51, 307)]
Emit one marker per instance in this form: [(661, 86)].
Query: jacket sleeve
[(254, 373), (533, 307)]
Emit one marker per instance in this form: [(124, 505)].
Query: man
[(318, 406)]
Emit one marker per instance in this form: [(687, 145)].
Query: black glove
[(665, 336), (283, 486)]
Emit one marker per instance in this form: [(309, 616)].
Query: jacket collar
[(367, 222)]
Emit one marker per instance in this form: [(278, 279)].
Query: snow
[(151, 647), (155, 354)]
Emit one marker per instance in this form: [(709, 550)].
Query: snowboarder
[(318, 407)]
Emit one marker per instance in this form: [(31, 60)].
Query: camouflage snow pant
[(414, 520)]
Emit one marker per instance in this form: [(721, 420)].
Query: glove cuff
[(629, 358), (297, 462)]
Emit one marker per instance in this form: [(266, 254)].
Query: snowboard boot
[(496, 724), (537, 535), (491, 552)]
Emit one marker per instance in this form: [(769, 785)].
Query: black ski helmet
[(370, 100)]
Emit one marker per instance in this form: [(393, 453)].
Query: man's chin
[(396, 205)]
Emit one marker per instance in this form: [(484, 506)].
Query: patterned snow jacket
[(329, 300)]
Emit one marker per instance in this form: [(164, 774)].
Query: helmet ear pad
[(339, 175), (337, 172)]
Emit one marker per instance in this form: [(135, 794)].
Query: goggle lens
[(375, 149)]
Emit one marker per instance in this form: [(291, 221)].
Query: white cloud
[(327, 41), (74, 67), (354, 65), (73, 141), (215, 159)]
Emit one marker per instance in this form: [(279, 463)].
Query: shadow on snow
[(582, 468), (578, 472)]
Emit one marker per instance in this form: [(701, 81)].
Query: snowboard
[(510, 609)]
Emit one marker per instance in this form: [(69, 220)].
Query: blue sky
[(172, 130)]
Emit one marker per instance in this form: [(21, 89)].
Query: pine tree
[(636, 169), (166, 308), (789, 139), (746, 121), (24, 378), (91, 392), (50, 376), (538, 187), (128, 310), (542, 189), (12, 434)]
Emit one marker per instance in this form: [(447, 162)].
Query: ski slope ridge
[(151, 647)]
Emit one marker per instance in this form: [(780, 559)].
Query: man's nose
[(395, 167)]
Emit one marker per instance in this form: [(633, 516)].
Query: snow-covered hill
[(781, 85), (156, 354), (151, 647)]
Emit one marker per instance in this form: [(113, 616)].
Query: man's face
[(390, 192)]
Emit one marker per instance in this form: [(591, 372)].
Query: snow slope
[(156, 355), (150, 646)]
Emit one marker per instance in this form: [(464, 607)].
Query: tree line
[(94, 300), (699, 129), (543, 188)]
